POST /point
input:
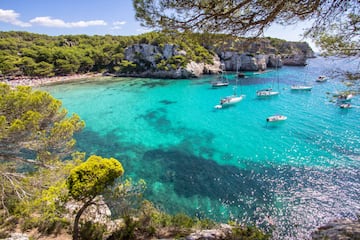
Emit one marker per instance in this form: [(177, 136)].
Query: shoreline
[(37, 82)]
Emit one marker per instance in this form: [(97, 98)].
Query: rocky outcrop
[(17, 236), (223, 232), (97, 213), (259, 54), (249, 62), (344, 229), (148, 56), (274, 54), (198, 69)]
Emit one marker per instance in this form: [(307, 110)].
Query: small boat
[(301, 87), (266, 92), (345, 105), (322, 78), (241, 75), (276, 118), (343, 98), (221, 81), (229, 100)]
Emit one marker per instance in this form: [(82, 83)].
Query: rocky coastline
[(234, 59)]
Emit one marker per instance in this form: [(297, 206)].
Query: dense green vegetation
[(89, 180), (34, 55), (28, 54)]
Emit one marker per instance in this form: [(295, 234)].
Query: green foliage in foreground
[(90, 179), (248, 233), (35, 134), (151, 223)]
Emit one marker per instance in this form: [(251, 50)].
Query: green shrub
[(182, 220), (52, 226), (205, 223), (93, 231), (248, 233), (127, 232)]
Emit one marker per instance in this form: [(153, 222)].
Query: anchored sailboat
[(301, 87), (268, 92), (221, 81), (230, 100)]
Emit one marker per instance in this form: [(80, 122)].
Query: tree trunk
[(75, 234)]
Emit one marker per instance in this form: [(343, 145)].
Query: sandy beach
[(36, 82)]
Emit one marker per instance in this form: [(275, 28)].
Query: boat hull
[(266, 93), (321, 79), (345, 105), (231, 100), (301, 88), (276, 118), (220, 84), (228, 101)]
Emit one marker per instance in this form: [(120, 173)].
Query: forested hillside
[(35, 55), (31, 54)]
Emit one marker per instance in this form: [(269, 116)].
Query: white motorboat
[(345, 105), (301, 87), (266, 92), (322, 78), (276, 118), (344, 98)]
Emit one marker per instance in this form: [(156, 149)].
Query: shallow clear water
[(230, 163)]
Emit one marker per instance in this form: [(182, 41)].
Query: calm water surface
[(230, 163)]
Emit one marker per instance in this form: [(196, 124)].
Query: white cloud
[(10, 16), (51, 22), (143, 30), (118, 24)]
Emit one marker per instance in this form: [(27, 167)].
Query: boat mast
[(237, 74), (277, 73)]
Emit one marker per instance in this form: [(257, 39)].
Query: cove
[(229, 163)]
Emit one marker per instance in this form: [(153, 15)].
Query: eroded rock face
[(294, 60), (250, 62), (344, 229), (147, 56), (212, 234), (99, 212)]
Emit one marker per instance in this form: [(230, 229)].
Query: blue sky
[(115, 17)]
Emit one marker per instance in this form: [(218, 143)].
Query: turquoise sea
[(230, 163)]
